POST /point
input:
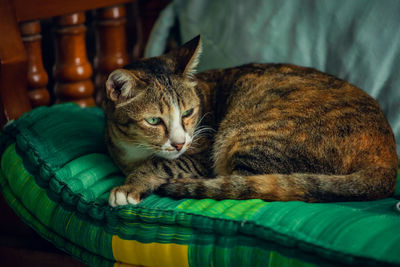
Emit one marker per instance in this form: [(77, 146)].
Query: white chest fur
[(132, 152)]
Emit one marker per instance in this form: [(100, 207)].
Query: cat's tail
[(368, 184)]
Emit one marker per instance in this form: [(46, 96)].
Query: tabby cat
[(276, 132)]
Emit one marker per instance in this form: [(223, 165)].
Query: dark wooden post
[(72, 69), (37, 76), (13, 97), (146, 14), (111, 45)]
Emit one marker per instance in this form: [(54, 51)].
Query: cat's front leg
[(137, 186), (151, 174)]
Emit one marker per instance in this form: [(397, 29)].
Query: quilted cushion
[(56, 174)]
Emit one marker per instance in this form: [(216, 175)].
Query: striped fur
[(281, 132)]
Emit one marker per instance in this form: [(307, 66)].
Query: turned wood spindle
[(111, 50), (72, 69), (37, 75)]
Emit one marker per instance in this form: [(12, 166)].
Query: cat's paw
[(123, 195)]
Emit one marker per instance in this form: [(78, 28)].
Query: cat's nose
[(178, 146)]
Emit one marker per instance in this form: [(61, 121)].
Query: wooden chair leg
[(72, 69), (13, 98), (111, 49), (37, 75)]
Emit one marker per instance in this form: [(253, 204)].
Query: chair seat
[(56, 175)]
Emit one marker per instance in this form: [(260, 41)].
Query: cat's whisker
[(201, 119), (193, 148), (203, 129), (200, 135), (145, 146), (194, 144)]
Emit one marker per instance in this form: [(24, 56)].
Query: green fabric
[(63, 228), (357, 40), (64, 186)]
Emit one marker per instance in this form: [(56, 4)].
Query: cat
[(276, 132)]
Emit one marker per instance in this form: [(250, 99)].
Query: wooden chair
[(24, 78)]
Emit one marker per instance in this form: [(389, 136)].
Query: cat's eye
[(153, 120), (187, 113)]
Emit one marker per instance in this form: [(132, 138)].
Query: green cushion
[(56, 174)]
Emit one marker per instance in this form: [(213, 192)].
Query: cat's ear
[(122, 85), (187, 56)]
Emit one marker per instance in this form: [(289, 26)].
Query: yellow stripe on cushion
[(118, 264), (152, 254)]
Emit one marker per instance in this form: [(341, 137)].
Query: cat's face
[(154, 105), (162, 118)]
